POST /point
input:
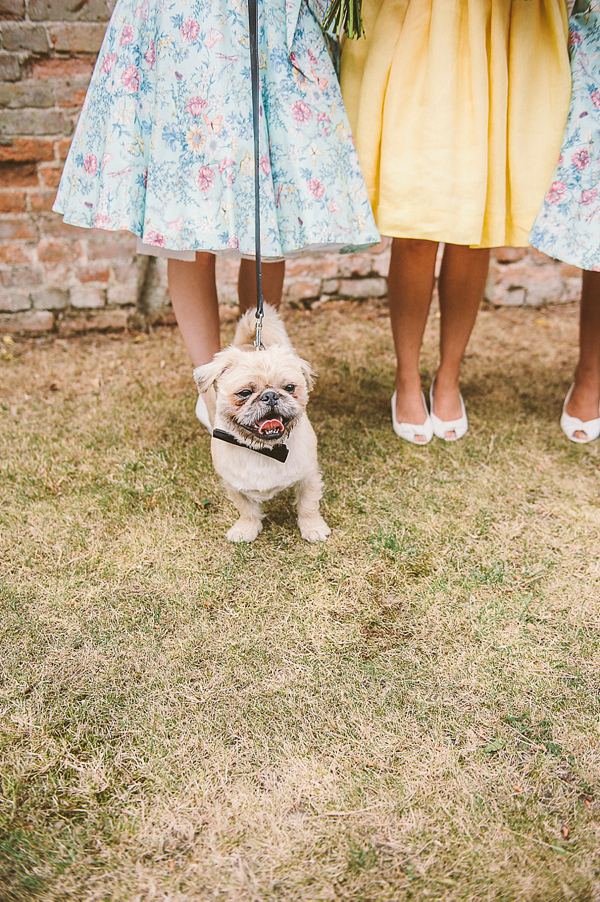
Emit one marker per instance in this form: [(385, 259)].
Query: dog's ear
[(208, 373), (308, 373)]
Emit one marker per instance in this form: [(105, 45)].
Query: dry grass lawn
[(409, 711)]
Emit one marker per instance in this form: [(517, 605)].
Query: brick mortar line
[(46, 22), (50, 23), (62, 55), (44, 136), (53, 53)]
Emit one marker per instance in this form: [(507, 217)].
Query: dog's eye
[(291, 387), (244, 393)]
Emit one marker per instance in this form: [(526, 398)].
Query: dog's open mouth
[(270, 427)]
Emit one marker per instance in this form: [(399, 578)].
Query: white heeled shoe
[(570, 425), (202, 413), (440, 427), (410, 431)]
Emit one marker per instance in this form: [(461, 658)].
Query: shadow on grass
[(22, 863)]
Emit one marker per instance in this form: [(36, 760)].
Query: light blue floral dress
[(568, 225), (164, 143)]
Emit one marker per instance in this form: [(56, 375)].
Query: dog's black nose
[(269, 397)]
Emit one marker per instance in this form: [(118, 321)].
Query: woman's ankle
[(446, 394), (584, 399), (408, 381), (409, 399), (447, 378), (586, 378)]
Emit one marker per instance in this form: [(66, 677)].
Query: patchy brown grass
[(410, 711)]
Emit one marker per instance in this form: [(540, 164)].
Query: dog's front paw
[(244, 530), (314, 529)]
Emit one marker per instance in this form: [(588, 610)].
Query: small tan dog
[(261, 398)]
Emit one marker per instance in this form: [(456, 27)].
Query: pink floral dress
[(568, 225), (164, 143)]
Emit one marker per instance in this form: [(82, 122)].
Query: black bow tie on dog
[(277, 452)]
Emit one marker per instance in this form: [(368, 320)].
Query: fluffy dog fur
[(261, 398)]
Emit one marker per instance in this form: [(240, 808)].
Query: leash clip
[(259, 321)]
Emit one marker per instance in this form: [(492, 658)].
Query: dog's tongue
[(271, 426)]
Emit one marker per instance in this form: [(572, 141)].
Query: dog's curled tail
[(273, 329)]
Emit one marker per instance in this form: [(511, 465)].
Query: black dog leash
[(254, 72), (277, 452)]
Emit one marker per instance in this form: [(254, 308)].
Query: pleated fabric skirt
[(458, 109), (164, 144), (568, 225)]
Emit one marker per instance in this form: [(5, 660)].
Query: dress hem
[(564, 257), (188, 254), (395, 233)]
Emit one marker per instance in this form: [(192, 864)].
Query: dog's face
[(260, 394)]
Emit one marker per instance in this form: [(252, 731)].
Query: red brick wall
[(54, 276)]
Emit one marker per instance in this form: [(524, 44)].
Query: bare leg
[(249, 524), (194, 297), (193, 293), (585, 396), (462, 280), (272, 282), (410, 286), (312, 526)]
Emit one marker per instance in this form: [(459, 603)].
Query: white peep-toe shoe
[(417, 433), (570, 425), (202, 413), (441, 427)]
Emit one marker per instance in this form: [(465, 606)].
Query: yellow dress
[(458, 109)]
